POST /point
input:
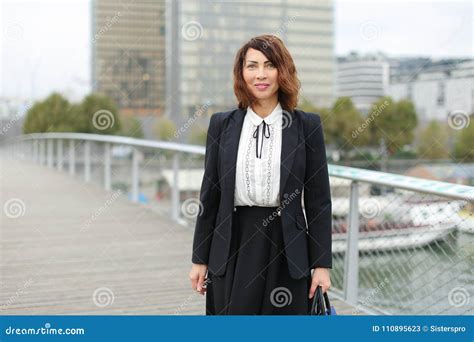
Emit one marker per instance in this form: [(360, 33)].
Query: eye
[(270, 66), (250, 66)]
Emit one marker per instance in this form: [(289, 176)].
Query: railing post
[(35, 151), (351, 262), (59, 155), (28, 150), (18, 150), (107, 167), (50, 152), (87, 161), (42, 155), (72, 158), (23, 151), (135, 176), (175, 189)]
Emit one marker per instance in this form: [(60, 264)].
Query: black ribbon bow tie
[(266, 134)]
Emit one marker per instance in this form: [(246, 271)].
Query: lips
[(262, 86)]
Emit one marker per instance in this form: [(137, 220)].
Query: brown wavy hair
[(276, 52)]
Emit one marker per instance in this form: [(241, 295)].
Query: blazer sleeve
[(209, 195), (317, 195)]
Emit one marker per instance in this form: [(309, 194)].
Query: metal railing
[(401, 245)]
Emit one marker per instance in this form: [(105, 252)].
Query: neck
[(264, 107)]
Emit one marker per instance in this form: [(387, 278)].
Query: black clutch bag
[(320, 305)]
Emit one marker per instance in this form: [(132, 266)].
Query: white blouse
[(257, 177)]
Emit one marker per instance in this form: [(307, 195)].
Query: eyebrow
[(257, 62)]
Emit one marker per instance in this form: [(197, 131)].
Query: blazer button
[(279, 212), (235, 209)]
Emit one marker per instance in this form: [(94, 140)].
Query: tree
[(346, 125), (95, 114), (326, 118), (98, 114), (131, 127), (394, 122), (463, 147), (198, 135), (433, 142), (50, 115), (165, 129)]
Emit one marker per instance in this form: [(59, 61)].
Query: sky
[(45, 44)]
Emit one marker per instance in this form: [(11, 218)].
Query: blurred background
[(118, 94), (159, 65)]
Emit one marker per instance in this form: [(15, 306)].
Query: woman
[(253, 252)]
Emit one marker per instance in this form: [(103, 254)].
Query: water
[(433, 280)]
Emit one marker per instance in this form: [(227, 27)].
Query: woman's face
[(260, 75)]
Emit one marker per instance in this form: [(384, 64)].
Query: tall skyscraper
[(212, 32), (128, 54), (141, 48)]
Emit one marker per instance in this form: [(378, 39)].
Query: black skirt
[(257, 279)]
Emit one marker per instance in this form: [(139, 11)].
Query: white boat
[(467, 223), (395, 222), (395, 239)]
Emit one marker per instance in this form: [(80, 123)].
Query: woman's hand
[(198, 277), (321, 278)]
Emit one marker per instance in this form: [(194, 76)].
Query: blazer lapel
[(231, 146), (288, 147)]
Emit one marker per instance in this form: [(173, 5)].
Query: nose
[(261, 74)]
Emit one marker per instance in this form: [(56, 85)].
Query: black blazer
[(303, 166)]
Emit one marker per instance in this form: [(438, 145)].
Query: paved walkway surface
[(72, 248)]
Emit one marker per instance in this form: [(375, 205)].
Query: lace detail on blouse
[(248, 179), (258, 164), (269, 166)]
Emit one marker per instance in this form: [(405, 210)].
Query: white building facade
[(436, 94), (364, 80)]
